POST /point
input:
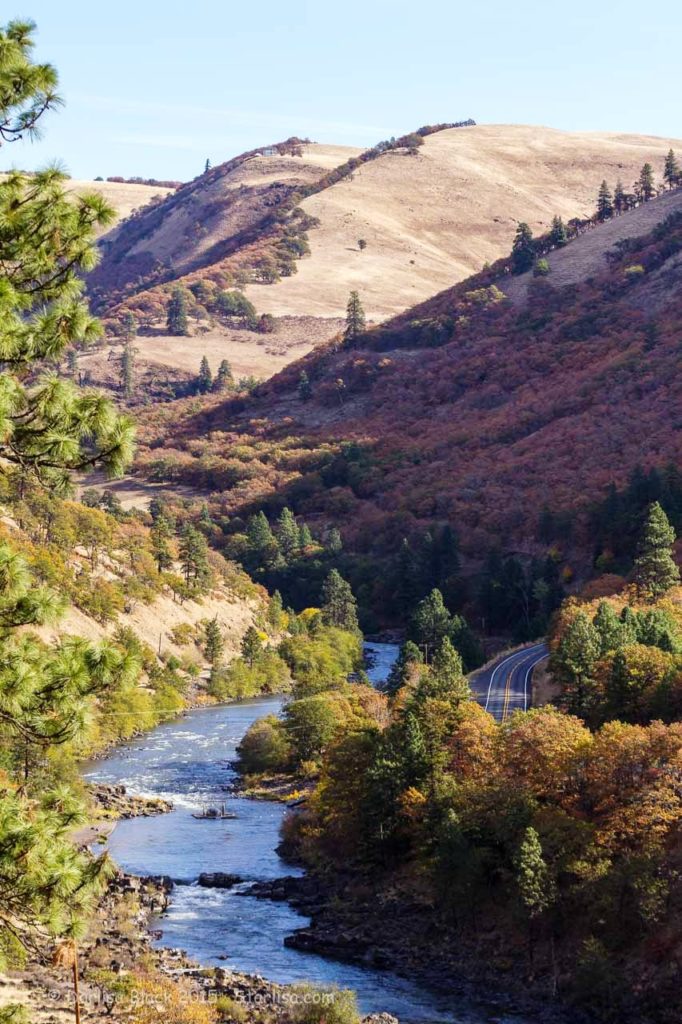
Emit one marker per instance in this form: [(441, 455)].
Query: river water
[(187, 762)]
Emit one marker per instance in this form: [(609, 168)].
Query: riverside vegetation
[(63, 698)]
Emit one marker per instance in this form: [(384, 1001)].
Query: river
[(187, 762)]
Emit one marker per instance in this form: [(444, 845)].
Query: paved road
[(505, 686)]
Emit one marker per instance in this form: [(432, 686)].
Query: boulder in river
[(218, 880)]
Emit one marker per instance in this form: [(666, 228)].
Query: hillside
[(454, 207), (471, 410), (430, 215), (124, 197)]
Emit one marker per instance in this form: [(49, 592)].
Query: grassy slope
[(429, 220)]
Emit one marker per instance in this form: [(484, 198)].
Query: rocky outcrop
[(116, 802), (218, 880)]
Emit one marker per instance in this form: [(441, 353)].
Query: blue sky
[(153, 88)]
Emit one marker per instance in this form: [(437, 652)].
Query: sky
[(153, 89)]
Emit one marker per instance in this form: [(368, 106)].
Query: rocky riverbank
[(352, 921), (114, 802), (117, 954)]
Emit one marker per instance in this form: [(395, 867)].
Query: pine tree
[(334, 543), (224, 381), (207, 166), (557, 232), (609, 627), (355, 317), (537, 890), (128, 369), (620, 199), (287, 533), (401, 672), (305, 390), (160, 535), (205, 378), (214, 643), (176, 319), (72, 361), (671, 170), (129, 325), (655, 571), (604, 202), (447, 676), (430, 623), (252, 646), (276, 612), (523, 250), (193, 553), (339, 607), (305, 537), (45, 693), (261, 539), (47, 425), (645, 182), (574, 663)]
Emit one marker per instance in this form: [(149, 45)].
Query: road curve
[(505, 686)]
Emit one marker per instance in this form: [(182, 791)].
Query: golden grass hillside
[(434, 218)]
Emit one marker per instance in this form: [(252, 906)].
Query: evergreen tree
[(276, 612), (574, 663), (287, 533), (405, 580), (193, 552), (205, 378), (206, 524), (430, 623), (129, 325), (252, 646), (537, 890), (604, 202), (671, 170), (655, 571), (447, 676), (214, 643), (305, 390), (128, 369), (305, 537), (609, 627), (160, 534), (403, 667), (47, 245), (334, 543), (176, 319), (557, 232), (629, 626), (224, 381), (620, 201), (647, 189), (338, 603), (207, 166), (523, 250), (261, 539), (415, 755), (355, 317), (72, 361)]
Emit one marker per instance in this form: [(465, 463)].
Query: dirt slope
[(432, 219)]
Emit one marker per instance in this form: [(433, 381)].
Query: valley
[(340, 527)]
